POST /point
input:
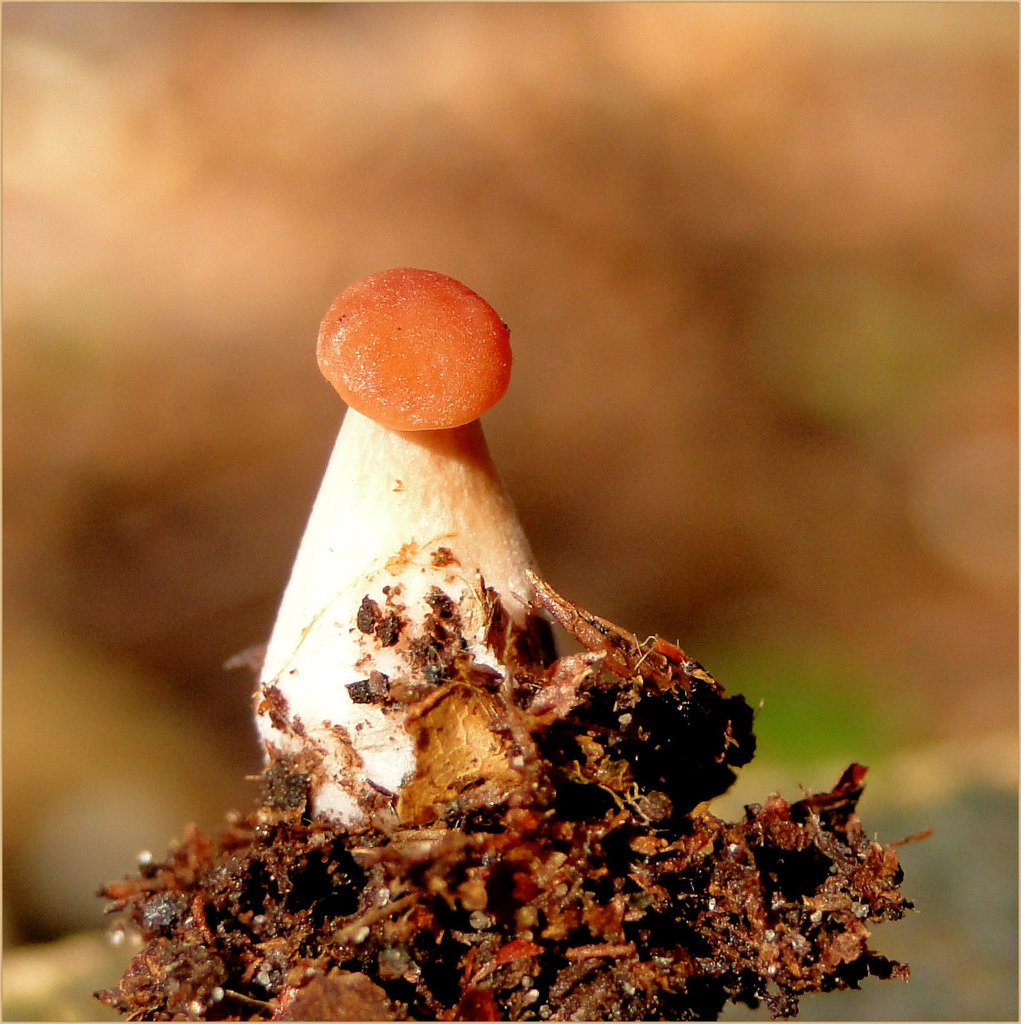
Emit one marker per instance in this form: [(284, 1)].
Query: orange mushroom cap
[(415, 350)]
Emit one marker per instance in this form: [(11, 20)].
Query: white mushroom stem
[(398, 513)]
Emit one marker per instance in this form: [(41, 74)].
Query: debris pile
[(554, 859)]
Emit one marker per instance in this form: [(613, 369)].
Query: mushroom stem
[(384, 489), (400, 516)]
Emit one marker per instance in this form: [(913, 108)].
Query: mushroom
[(411, 518)]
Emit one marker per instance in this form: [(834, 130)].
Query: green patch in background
[(813, 708)]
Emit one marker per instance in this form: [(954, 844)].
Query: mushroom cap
[(415, 350)]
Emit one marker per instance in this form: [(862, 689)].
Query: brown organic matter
[(560, 862)]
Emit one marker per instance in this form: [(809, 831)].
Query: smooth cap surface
[(415, 350)]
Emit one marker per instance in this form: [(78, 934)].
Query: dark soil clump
[(586, 880)]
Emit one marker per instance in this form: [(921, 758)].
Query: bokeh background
[(760, 267)]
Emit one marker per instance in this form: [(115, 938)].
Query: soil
[(586, 879)]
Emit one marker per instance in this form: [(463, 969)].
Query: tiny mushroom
[(410, 517)]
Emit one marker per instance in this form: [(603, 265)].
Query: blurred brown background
[(760, 267)]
